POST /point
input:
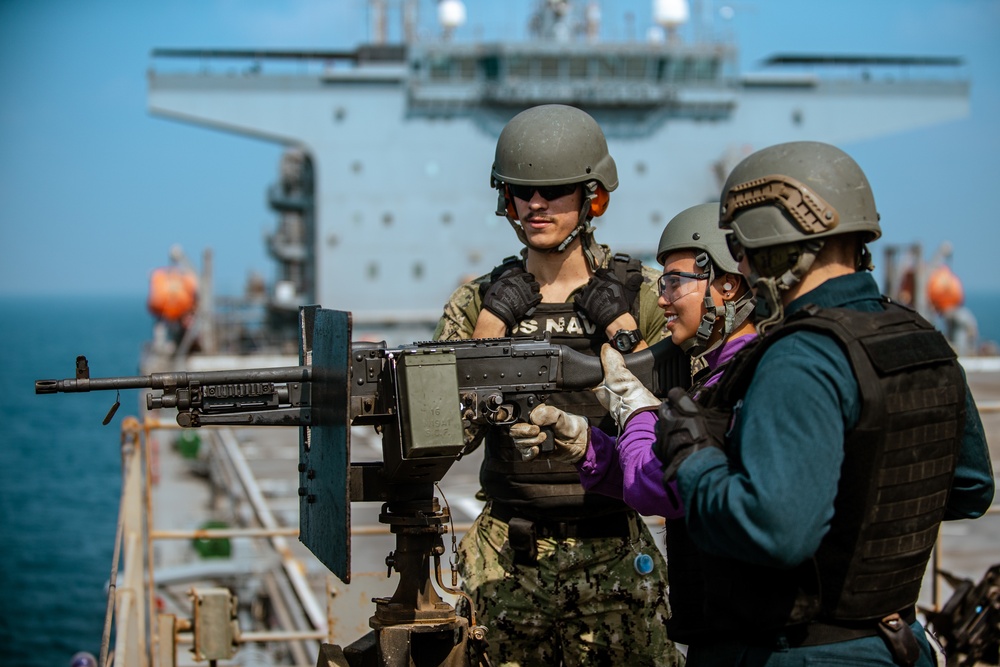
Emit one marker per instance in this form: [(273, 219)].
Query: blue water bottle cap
[(643, 563)]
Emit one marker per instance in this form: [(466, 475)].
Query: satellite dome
[(451, 13), (671, 13)]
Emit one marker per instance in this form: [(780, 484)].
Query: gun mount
[(421, 398)]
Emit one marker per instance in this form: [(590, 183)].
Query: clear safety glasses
[(675, 284)]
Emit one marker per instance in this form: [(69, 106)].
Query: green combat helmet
[(554, 144), (782, 203), (697, 229)]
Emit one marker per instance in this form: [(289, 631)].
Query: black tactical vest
[(547, 489), (689, 623), (899, 461)]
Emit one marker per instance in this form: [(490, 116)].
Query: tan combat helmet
[(783, 202)]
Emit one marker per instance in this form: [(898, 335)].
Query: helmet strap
[(566, 241), (699, 345), (865, 262), (732, 315), (707, 325), (770, 310), (593, 252), (770, 306)]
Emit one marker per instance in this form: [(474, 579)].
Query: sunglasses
[(547, 192), (676, 284)]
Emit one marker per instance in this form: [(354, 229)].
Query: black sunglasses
[(547, 192)]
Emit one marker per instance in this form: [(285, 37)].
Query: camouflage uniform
[(584, 604), (581, 601)]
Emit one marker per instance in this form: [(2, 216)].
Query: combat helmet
[(555, 144), (783, 202), (697, 229)]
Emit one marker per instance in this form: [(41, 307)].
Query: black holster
[(899, 637), (522, 537)]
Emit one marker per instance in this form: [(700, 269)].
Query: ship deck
[(249, 478)]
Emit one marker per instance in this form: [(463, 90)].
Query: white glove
[(621, 393), (571, 434)]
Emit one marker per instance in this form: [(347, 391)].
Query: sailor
[(851, 435), (550, 567), (709, 306)]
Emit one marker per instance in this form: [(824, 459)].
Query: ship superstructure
[(384, 198)]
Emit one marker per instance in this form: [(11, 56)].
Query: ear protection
[(727, 286), (599, 204), (511, 210)]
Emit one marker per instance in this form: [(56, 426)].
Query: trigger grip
[(549, 444)]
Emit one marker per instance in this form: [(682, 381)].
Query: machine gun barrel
[(173, 379), (248, 397)]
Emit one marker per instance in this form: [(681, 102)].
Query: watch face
[(625, 340)]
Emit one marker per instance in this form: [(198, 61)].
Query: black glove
[(512, 295), (682, 430), (605, 297)]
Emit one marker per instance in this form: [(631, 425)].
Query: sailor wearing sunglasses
[(550, 566)]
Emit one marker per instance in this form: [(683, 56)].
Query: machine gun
[(969, 623), (421, 398)]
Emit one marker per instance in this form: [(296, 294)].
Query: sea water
[(60, 469)]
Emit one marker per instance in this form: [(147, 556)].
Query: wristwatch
[(625, 340)]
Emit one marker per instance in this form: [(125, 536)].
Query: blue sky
[(94, 190)]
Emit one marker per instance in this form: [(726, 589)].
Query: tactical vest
[(899, 462), (543, 488), (689, 623)]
